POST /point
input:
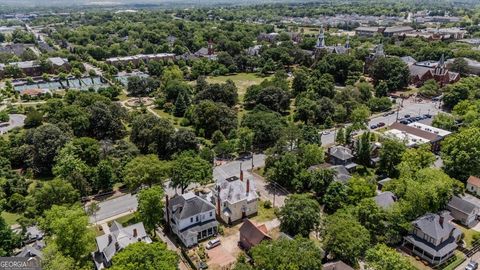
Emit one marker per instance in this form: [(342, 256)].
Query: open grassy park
[(241, 80)]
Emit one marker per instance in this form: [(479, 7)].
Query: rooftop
[(474, 181), (188, 205)]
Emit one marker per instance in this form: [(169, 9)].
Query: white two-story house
[(235, 198), (434, 238), (191, 218)]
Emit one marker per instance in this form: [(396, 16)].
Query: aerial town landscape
[(243, 135)]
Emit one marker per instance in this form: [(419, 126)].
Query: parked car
[(472, 265), (373, 126), (213, 243), (405, 122), (381, 124), (407, 116), (427, 115)]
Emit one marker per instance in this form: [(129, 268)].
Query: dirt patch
[(219, 257)]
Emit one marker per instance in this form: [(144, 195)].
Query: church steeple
[(347, 43), (440, 68), (379, 50), (321, 38)]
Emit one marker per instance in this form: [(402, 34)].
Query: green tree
[(415, 159), (392, 70), (283, 169), (345, 238), (244, 139), (54, 192), (150, 207), (68, 229), (360, 188), (390, 156), (382, 257), (340, 137), (8, 239), (460, 153), (359, 117), (73, 170), (299, 253), (152, 134), (430, 88), (146, 257), (311, 154), (364, 149), (104, 175), (34, 119), (180, 106), (444, 121), (189, 168), (266, 125), (53, 259), (335, 197), (146, 170), (460, 65), (210, 116), (300, 215), (381, 89)]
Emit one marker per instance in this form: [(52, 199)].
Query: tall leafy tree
[(189, 168), (54, 192), (390, 156), (460, 153), (383, 257), (150, 207), (300, 215), (8, 239), (146, 170), (146, 257)]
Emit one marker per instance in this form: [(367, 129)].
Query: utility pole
[(274, 192)]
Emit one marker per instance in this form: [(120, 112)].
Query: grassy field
[(128, 219), (264, 214), (468, 235), (10, 218), (241, 80)]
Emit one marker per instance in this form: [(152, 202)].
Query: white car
[(472, 265), (213, 243)]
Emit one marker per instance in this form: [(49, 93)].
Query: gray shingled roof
[(188, 205), (341, 152), (461, 205), (430, 225), (342, 174), (234, 190), (385, 199)]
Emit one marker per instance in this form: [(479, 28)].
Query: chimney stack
[(218, 201), (441, 220), (135, 234), (241, 172), (167, 214), (248, 186), (109, 239)]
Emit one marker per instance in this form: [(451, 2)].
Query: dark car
[(407, 116), (418, 118), (427, 115), (405, 122), (381, 124), (373, 126)]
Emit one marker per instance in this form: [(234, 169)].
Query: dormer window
[(191, 219)]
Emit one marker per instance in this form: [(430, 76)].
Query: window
[(210, 213), (191, 219), (196, 218)]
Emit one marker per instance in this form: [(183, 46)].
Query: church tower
[(321, 39), (441, 67)]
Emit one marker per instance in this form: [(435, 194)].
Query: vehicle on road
[(407, 116), (373, 126), (472, 265), (427, 115), (381, 124), (213, 243), (405, 122)]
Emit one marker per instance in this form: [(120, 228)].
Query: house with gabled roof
[(252, 234), (385, 199), (463, 211), (191, 218), (235, 198), (473, 185), (118, 239), (434, 238), (338, 265)]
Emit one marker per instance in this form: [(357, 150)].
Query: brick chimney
[(218, 201), (241, 172), (135, 234), (248, 186), (166, 211)]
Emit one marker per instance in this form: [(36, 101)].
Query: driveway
[(219, 257), (16, 120), (475, 257)]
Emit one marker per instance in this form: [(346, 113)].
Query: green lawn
[(241, 80), (460, 258), (468, 235), (10, 218), (264, 214), (175, 120), (128, 219)]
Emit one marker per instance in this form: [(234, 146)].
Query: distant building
[(396, 30), (473, 185), (115, 241), (252, 235), (15, 48), (321, 49), (208, 52), (420, 72), (433, 238), (463, 211), (191, 218), (473, 66), (137, 59), (254, 51), (35, 68), (341, 155), (365, 31), (377, 53), (34, 92), (342, 175), (269, 37), (415, 134), (32, 252), (235, 198)]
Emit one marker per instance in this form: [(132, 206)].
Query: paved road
[(475, 257), (114, 207), (16, 120), (409, 107)]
